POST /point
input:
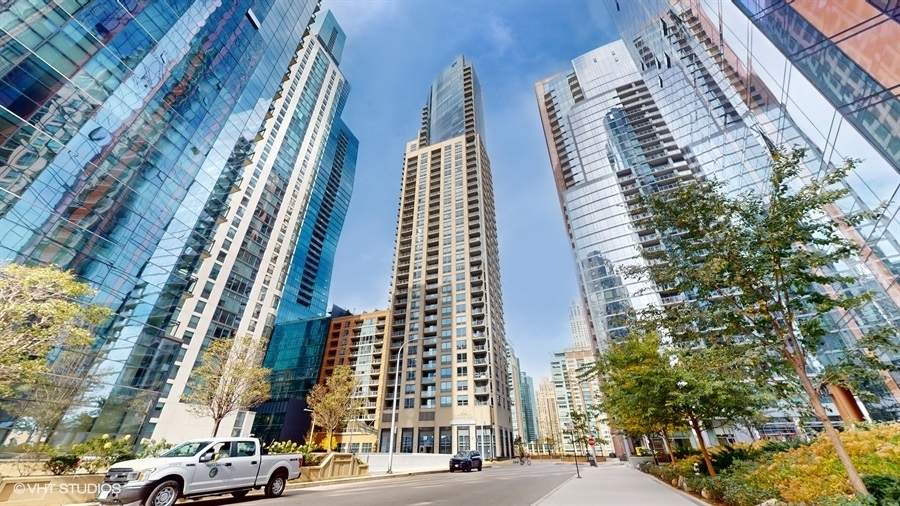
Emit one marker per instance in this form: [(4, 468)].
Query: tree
[(758, 272), (650, 388), (228, 379), (41, 309), (638, 389), (333, 403)]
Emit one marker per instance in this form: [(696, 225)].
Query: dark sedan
[(465, 461)]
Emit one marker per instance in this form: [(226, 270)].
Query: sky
[(394, 51)]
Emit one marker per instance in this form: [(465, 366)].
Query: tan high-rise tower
[(446, 301)]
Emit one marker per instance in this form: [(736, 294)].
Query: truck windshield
[(188, 449)]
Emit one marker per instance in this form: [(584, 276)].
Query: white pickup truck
[(199, 468)]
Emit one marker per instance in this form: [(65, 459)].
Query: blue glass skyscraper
[(124, 127), (297, 342)]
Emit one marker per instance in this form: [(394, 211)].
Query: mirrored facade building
[(270, 260), (695, 88), (128, 136), (446, 301)]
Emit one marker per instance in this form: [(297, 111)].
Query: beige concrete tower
[(446, 301)]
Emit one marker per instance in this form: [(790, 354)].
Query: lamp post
[(394, 411), (312, 428)]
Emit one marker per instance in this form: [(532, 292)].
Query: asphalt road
[(499, 485)]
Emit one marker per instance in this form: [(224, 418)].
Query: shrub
[(812, 473), (724, 456), (284, 447), (886, 489), (681, 453), (62, 464), (153, 448), (101, 452), (309, 459)]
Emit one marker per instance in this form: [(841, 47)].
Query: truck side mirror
[(206, 457)]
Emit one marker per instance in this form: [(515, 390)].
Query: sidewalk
[(613, 484)]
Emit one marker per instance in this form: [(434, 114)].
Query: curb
[(375, 477)]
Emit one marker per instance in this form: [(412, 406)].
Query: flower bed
[(795, 473)]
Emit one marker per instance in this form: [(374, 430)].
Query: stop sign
[(592, 441)]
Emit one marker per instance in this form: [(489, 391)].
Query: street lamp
[(312, 428), (394, 411)]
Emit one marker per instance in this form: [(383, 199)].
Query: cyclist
[(523, 458)]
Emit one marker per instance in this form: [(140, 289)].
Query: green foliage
[(798, 473), (681, 453), (649, 388), (813, 472), (885, 488), (62, 464), (724, 456), (98, 453), (229, 379), (755, 265), (41, 309), (334, 403), (153, 448), (309, 458)]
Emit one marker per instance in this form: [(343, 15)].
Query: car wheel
[(240, 494), (165, 494), (276, 484), (451, 469), (479, 467)]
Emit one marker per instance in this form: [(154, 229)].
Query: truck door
[(215, 473), (245, 463)]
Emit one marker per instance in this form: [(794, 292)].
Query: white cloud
[(500, 34)]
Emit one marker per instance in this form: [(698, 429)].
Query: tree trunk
[(665, 436), (216, 422), (750, 430), (696, 427), (833, 436)]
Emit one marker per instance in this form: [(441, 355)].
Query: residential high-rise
[(577, 393), (581, 335), (694, 89), (274, 250), (446, 300), (549, 426), (357, 341), (126, 130)]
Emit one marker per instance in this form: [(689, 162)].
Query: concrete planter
[(334, 465), (636, 462), (50, 490)]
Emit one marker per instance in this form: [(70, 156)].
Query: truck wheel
[(240, 494), (165, 494), (276, 484)]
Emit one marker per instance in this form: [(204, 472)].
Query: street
[(499, 485)]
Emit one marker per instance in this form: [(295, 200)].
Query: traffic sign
[(592, 441)]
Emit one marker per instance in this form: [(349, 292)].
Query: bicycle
[(524, 460)]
